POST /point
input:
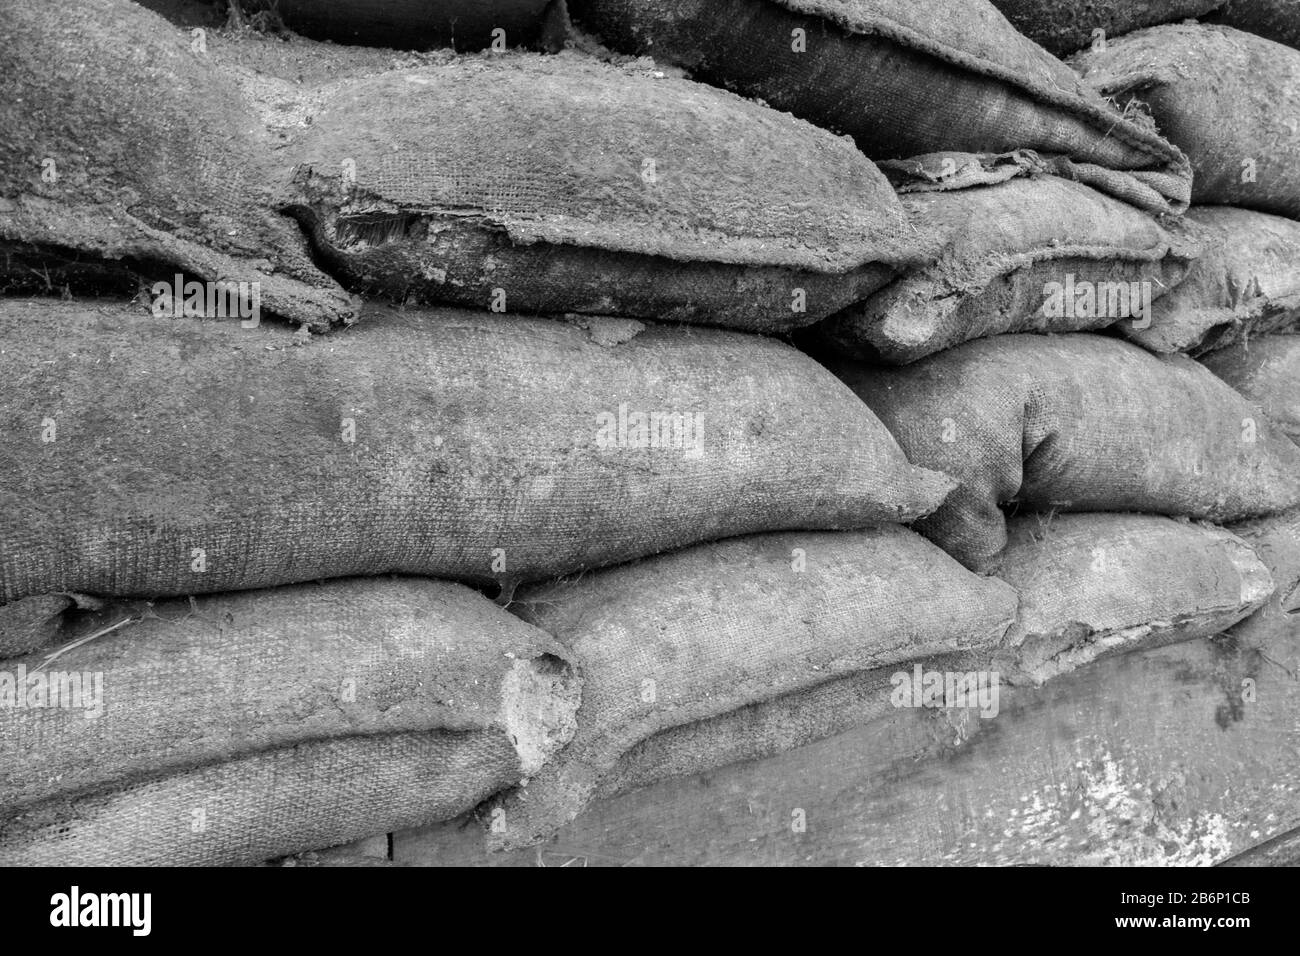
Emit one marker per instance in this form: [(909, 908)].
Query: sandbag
[(410, 24), (1076, 423), (1063, 26), (561, 184), (1276, 539), (1015, 257), (1230, 100), (146, 689), (1267, 371), (707, 630), (1275, 19), (1246, 282), (159, 457), (902, 78), (242, 811), (1095, 585), (120, 138)]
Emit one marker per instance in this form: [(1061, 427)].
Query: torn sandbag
[(153, 457), (1076, 423), (523, 183), (1063, 26), (1277, 20), (1276, 539), (139, 689), (120, 138), (707, 630), (1246, 282), (1094, 585), (1230, 100), (1037, 254), (1266, 369), (903, 78), (410, 24)]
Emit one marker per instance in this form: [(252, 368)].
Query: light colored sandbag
[(1063, 26), (1267, 371), (1275, 19), (1076, 423), (705, 631), (160, 457), (525, 183), (902, 78), (1014, 257), (122, 140), (1246, 282), (1230, 100), (145, 689), (1276, 539), (1094, 585)]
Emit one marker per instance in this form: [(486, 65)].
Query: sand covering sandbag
[(996, 254), (157, 457), (903, 78), (1275, 19), (1230, 100), (157, 688), (1063, 26), (562, 184), (1266, 370), (1246, 282), (1094, 585), (707, 630), (120, 138), (1076, 423)]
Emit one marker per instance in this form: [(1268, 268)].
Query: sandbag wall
[(523, 419)]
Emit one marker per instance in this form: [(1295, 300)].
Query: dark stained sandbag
[(1063, 26), (699, 633), (157, 688), (1230, 100), (411, 24), (120, 138), (1265, 369), (1076, 423), (1246, 282), (1276, 539), (1094, 585), (1275, 19), (160, 457), (1013, 257), (525, 183), (902, 78)]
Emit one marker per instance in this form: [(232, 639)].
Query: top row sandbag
[(904, 77), (1063, 26)]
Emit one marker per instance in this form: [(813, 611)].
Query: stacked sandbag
[(1076, 423), (1230, 100), (1063, 26), (1008, 257), (1267, 371), (228, 729), (1275, 19), (706, 631), (162, 457), (1245, 282), (561, 184), (121, 140), (1276, 540), (903, 78)]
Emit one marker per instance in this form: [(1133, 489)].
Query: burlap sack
[(410, 24), (1228, 99), (1013, 257), (525, 183), (1076, 423), (1275, 19), (903, 78), (1094, 585), (158, 457), (267, 804), (1063, 26), (147, 689), (707, 630), (1276, 540), (1267, 371), (119, 138), (1246, 282)]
